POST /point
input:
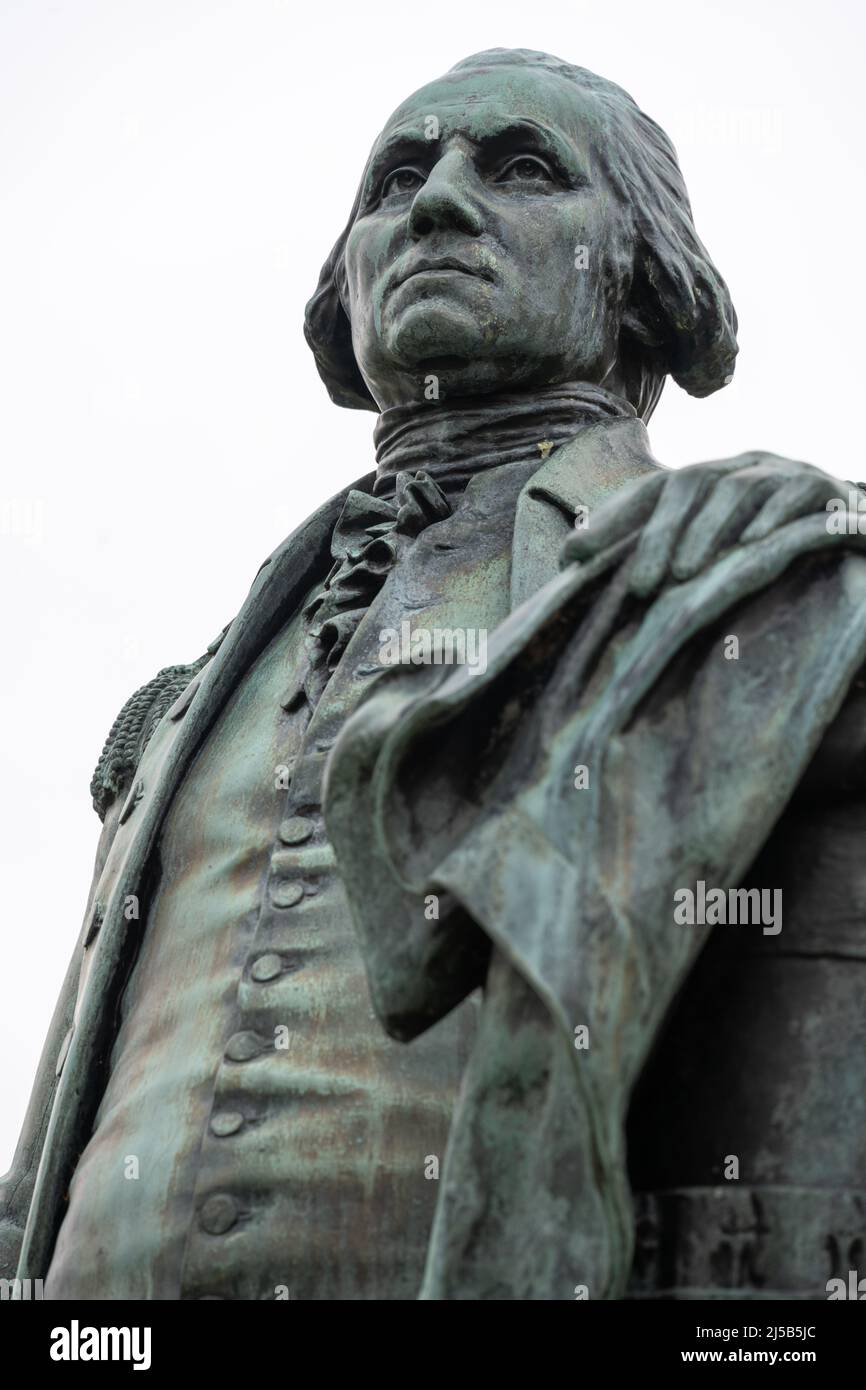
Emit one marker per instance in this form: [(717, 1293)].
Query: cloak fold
[(455, 793)]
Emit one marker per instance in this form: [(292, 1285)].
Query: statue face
[(488, 248)]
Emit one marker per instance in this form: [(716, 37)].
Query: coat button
[(286, 894), (267, 967), (243, 1047), (218, 1214), (226, 1122), (296, 830)]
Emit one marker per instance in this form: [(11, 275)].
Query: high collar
[(454, 439)]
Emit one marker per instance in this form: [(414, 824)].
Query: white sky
[(172, 175)]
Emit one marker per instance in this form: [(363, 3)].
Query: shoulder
[(131, 730)]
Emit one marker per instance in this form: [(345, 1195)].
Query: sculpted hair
[(678, 318)]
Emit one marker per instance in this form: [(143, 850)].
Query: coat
[(491, 871)]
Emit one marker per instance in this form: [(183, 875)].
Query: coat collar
[(596, 463), (601, 458)]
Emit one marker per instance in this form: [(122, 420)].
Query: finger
[(685, 491), (720, 468), (614, 519), (681, 497), (798, 497), (721, 520), (754, 459)]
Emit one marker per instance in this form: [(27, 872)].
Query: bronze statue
[(517, 811)]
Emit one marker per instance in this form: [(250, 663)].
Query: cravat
[(368, 540)]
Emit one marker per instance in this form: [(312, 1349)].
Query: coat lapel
[(601, 459)]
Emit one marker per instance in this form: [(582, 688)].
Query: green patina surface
[(518, 277)]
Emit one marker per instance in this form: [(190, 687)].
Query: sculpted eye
[(526, 168), (402, 181)]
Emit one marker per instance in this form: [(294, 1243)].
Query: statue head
[(520, 223)]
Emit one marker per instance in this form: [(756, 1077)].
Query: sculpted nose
[(446, 200)]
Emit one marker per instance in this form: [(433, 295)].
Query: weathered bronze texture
[(578, 918)]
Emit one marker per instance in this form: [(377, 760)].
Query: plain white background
[(172, 175)]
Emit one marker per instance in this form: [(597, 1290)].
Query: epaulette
[(132, 729)]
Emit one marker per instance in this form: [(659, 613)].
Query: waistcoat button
[(296, 830), (226, 1122), (218, 1214), (286, 894), (267, 967), (243, 1047)]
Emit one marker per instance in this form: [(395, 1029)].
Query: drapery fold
[(452, 803)]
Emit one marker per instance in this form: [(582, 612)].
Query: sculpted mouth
[(439, 264)]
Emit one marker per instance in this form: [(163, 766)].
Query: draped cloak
[(614, 752)]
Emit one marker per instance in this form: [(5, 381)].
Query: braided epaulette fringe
[(132, 729)]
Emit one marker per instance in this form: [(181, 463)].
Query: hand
[(686, 517)]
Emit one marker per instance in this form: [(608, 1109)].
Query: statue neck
[(455, 438)]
